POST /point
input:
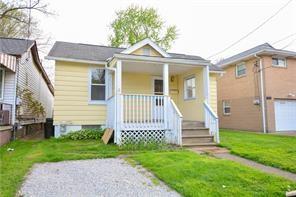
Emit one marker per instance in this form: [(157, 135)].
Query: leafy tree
[(15, 20), (137, 23)]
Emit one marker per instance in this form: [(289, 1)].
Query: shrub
[(84, 134)]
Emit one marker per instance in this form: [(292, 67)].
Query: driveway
[(97, 177)]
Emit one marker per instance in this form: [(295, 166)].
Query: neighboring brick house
[(241, 103)]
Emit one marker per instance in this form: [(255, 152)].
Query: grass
[(273, 150), (201, 175), (187, 172)]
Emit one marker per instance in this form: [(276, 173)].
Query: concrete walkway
[(224, 154)]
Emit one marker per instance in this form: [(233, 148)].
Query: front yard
[(273, 150), (188, 173)]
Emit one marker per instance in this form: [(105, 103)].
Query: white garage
[(285, 115)]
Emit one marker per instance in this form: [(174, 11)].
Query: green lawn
[(187, 172), (201, 175), (273, 150)]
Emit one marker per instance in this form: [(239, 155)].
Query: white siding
[(31, 78), (9, 87)]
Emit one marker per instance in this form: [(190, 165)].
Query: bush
[(84, 134)]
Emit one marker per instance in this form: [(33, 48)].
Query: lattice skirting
[(142, 136)]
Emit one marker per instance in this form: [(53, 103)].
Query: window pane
[(158, 86), (241, 69), (98, 76), (190, 88), (281, 62), (227, 110), (97, 92), (274, 61)]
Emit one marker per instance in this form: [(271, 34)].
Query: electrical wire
[(254, 30), (285, 38)]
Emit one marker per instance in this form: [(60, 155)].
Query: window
[(189, 88), (1, 83), (278, 62), (97, 85), (241, 70), (146, 51), (226, 107)]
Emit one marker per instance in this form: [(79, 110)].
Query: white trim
[(75, 60), (96, 102), (184, 85), (144, 42), (166, 80), (2, 88), (154, 59), (262, 94), (236, 69)]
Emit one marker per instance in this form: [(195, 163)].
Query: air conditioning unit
[(4, 117)]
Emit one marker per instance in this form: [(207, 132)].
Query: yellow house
[(142, 92)]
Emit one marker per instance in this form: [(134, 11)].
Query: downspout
[(262, 93)]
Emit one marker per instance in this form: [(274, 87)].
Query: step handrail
[(212, 121)]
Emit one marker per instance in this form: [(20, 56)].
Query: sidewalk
[(224, 154)]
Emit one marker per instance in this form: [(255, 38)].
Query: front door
[(158, 101)]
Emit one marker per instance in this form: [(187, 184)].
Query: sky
[(204, 26)]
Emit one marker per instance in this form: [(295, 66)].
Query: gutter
[(262, 93)]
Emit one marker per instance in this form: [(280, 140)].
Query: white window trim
[(279, 66), (148, 50), (2, 88), (96, 102), (184, 86), (223, 103), (236, 70)]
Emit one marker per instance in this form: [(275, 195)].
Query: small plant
[(84, 134)]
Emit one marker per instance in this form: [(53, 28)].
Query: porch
[(148, 98)]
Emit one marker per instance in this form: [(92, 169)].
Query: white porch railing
[(143, 111), (144, 118), (212, 122), (174, 124)]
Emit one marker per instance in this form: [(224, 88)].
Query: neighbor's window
[(226, 107), (1, 83), (279, 62), (189, 88), (97, 85), (241, 69)]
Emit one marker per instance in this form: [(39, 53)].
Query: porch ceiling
[(154, 68)]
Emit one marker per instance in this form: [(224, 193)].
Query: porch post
[(165, 76), (206, 81), (118, 100)]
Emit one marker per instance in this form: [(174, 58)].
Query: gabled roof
[(68, 51), (144, 42), (15, 46), (265, 48)]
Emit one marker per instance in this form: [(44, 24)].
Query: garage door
[(285, 115)]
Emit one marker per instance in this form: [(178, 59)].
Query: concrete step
[(189, 123), (195, 131), (197, 139), (199, 144)]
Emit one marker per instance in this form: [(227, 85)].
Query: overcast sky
[(204, 26)]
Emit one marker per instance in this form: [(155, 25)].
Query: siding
[(192, 109), (9, 91), (29, 77), (71, 96), (9, 87), (141, 52), (213, 92)]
